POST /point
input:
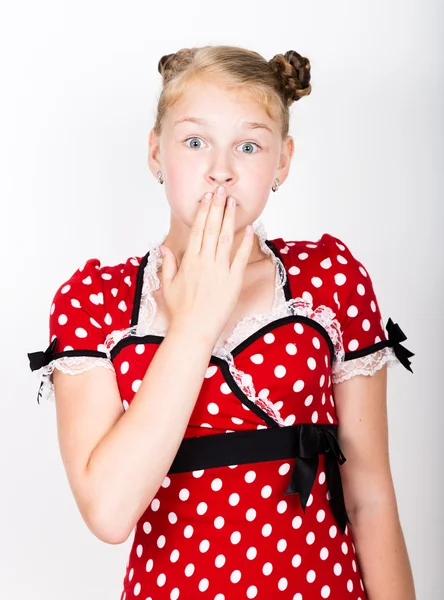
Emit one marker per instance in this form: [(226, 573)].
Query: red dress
[(230, 532)]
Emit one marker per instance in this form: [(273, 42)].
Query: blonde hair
[(276, 83)]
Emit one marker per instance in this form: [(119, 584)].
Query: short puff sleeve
[(367, 345), (77, 329)]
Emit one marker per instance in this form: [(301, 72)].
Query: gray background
[(79, 86)]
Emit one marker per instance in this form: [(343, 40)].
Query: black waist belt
[(304, 442)]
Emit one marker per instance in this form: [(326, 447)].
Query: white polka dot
[(184, 494), (210, 371), (137, 589), (361, 289), (220, 561), (250, 476), (311, 363), (188, 531), (296, 560), (278, 405), (282, 507), (198, 474), (316, 343), (161, 541), (315, 417), (322, 381), (124, 367), (257, 359), (344, 547), (317, 282), (189, 570), (324, 554), (311, 576), (267, 568), (204, 545), (269, 338), (294, 270), (280, 371), (298, 386), (237, 421), (63, 319), (122, 306), (136, 385), (166, 482), (147, 527), (326, 263), (161, 580), (250, 514), (216, 484), (350, 585), (225, 388), (155, 504), (325, 591), (263, 394), (203, 585), (302, 255), (307, 297), (373, 306), (65, 289), (251, 553), (234, 499), (365, 324), (174, 556), (320, 516), (213, 408), (172, 517), (81, 333), (219, 522), (125, 404), (282, 584), (291, 349), (140, 349), (282, 545), (174, 594), (340, 278), (266, 491), (352, 311), (310, 538), (235, 537), (299, 328), (337, 569), (308, 400), (353, 345), (266, 530), (297, 522), (251, 592), (236, 576), (310, 500), (283, 469), (290, 420), (150, 563)]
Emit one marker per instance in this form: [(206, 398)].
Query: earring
[(159, 177), (275, 186)]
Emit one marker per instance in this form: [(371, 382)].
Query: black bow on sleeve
[(312, 440), (37, 360), (396, 336)]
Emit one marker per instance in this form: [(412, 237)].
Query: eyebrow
[(200, 121)]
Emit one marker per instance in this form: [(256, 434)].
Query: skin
[(220, 155)]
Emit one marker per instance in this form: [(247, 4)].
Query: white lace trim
[(72, 365), (365, 365)]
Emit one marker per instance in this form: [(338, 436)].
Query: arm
[(368, 487), (116, 460)]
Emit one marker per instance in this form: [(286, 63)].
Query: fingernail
[(220, 190)]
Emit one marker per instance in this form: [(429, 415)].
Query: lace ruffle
[(72, 365), (365, 365)]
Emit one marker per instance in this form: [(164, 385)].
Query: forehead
[(217, 104)]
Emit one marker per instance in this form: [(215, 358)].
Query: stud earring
[(159, 177), (275, 186)]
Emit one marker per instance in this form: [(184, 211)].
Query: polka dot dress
[(230, 532)]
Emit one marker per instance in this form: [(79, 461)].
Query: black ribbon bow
[(37, 360), (396, 336), (310, 441)]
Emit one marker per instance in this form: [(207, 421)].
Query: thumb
[(169, 266)]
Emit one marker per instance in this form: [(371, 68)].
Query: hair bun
[(293, 73), (171, 63)]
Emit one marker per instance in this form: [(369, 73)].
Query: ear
[(154, 153), (285, 159)]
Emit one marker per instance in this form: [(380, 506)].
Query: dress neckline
[(244, 327)]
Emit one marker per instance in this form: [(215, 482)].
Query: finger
[(242, 255), (169, 268), (214, 221), (226, 235), (197, 229)]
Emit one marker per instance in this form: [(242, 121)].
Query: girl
[(238, 422)]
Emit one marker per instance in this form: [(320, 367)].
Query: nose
[(221, 172)]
